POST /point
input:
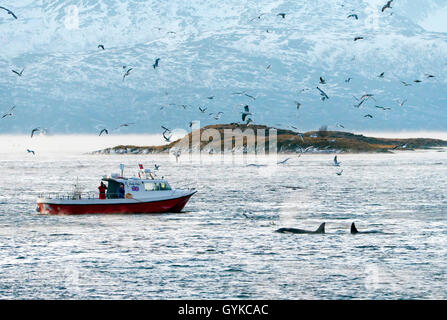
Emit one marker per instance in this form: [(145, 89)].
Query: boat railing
[(74, 196)]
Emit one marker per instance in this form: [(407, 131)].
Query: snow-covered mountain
[(213, 49)]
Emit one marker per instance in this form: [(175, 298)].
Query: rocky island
[(242, 138)]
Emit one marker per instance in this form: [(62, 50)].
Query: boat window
[(164, 186), (154, 186), (150, 186)]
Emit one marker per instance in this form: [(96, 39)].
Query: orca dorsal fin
[(321, 228), (354, 229)]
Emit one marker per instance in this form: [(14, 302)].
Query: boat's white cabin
[(134, 186)]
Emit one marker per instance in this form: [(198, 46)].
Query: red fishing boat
[(142, 194)]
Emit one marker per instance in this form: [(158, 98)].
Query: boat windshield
[(156, 186)]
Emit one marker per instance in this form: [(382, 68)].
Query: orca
[(355, 231), (320, 230)]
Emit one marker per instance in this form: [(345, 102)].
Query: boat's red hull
[(171, 205)]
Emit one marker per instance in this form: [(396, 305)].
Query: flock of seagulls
[(247, 112)]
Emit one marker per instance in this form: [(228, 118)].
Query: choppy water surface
[(223, 245)]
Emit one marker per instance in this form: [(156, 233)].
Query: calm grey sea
[(223, 246)]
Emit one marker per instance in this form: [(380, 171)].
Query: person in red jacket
[(102, 190)]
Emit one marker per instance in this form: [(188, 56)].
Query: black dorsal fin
[(321, 228), (354, 229)]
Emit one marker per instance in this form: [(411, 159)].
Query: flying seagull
[(383, 108), (18, 73), (324, 96), (30, 151), (368, 116), (417, 81), (166, 129), (353, 16), (10, 113), (348, 80), (401, 103), (9, 12), (358, 38), (381, 75), (249, 96), (339, 172), (202, 110), (283, 15), (322, 81), (298, 105), (336, 162), (388, 5), (246, 112), (103, 131), (258, 17), (283, 161), (127, 73), (405, 84), (155, 65), (35, 130), (101, 46), (166, 138)]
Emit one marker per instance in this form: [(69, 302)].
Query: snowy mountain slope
[(208, 48)]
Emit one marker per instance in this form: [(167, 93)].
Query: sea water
[(224, 245)]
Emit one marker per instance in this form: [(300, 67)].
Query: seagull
[(405, 84), (381, 75), (367, 96), (9, 12), (202, 110), (127, 73), (168, 139), (18, 73), (324, 96), (268, 67), (249, 96), (210, 97), (358, 38), (155, 65), (429, 75), (339, 172), (283, 161), (383, 108), (348, 80), (156, 166), (283, 15), (353, 16), (124, 125), (401, 103), (298, 105), (360, 103), (368, 116), (258, 17), (166, 129), (417, 81), (218, 115), (341, 126), (10, 113), (30, 151), (246, 112), (103, 131), (336, 162), (388, 5), (322, 81), (101, 46), (35, 130)]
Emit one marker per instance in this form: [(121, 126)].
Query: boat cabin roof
[(124, 180)]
